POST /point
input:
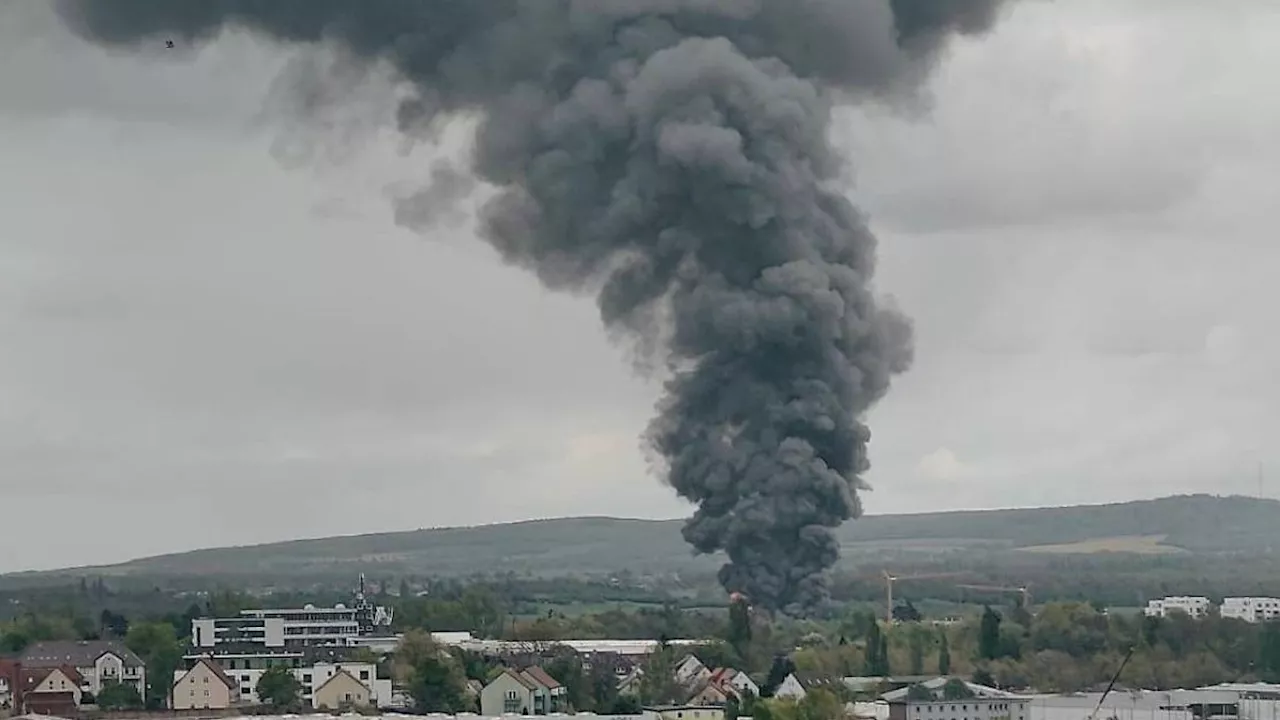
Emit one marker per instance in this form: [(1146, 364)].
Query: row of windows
[(964, 708)]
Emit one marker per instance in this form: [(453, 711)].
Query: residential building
[(50, 687), (944, 698), (707, 693), (342, 691), (8, 683), (691, 670), (1251, 609), (507, 694), (96, 662), (629, 684), (687, 712), (1194, 606), (790, 688), (741, 682), (549, 695), (719, 686), (523, 692), (473, 690), (205, 686), (313, 666), (294, 627)]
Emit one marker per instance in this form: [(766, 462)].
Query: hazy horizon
[(519, 521)]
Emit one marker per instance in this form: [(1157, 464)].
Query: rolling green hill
[(1196, 524)]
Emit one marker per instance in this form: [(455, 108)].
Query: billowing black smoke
[(672, 157)]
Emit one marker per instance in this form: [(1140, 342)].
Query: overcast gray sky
[(212, 331)]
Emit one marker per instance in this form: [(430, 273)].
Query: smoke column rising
[(672, 158)]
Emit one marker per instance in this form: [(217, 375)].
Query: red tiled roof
[(520, 678), (32, 677), (540, 676)]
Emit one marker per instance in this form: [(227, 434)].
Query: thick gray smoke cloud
[(671, 156)]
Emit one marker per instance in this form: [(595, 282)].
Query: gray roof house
[(99, 662)]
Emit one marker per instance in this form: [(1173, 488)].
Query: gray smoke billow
[(672, 157)]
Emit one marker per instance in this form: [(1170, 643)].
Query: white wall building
[(929, 701), (308, 625), (1195, 606), (1251, 609), (790, 688), (245, 671)]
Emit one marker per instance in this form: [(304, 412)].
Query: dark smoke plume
[(672, 157)]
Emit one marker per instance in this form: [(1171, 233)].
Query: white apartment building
[(245, 669), (1251, 609), (1194, 606)]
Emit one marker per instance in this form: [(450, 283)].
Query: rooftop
[(77, 653), (947, 688)]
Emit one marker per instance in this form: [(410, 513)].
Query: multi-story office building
[(290, 627)]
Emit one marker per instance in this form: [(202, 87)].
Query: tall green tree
[(877, 652), (280, 689), (119, 696), (944, 655), (567, 668), (989, 635), (157, 644), (916, 640), (433, 678), (658, 685), (1269, 650)]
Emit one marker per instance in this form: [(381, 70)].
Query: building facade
[(1193, 606), (312, 666), (97, 663), (342, 691), (1251, 609), (686, 712), (523, 692), (945, 698), (205, 686), (50, 687), (8, 682), (294, 627)]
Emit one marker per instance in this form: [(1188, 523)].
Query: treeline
[(1062, 647)]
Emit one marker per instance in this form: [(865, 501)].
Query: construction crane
[(890, 579), (1111, 685), (1024, 591)]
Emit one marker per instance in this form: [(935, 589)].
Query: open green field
[(1135, 544)]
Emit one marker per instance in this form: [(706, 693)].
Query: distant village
[(337, 657)]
